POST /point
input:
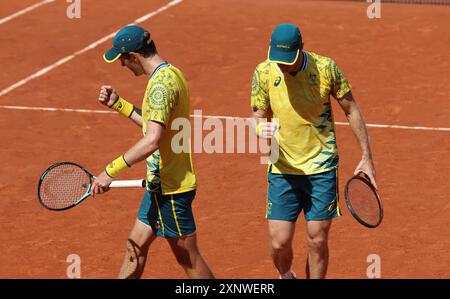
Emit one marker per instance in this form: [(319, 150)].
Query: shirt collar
[(305, 61), (162, 65)]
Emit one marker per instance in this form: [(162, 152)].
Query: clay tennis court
[(398, 66)]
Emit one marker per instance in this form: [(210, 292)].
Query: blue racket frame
[(85, 196)]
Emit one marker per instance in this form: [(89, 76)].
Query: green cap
[(285, 44), (128, 39)]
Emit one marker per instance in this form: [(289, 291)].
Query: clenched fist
[(108, 96), (267, 130)]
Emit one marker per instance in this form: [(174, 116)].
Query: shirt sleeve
[(161, 101), (339, 85), (260, 92)]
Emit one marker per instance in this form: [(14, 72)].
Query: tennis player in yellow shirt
[(294, 86), (171, 183)]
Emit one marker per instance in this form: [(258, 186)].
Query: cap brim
[(283, 57), (112, 55)]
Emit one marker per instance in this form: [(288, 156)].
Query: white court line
[(49, 109), (344, 124), (91, 46), (24, 11)]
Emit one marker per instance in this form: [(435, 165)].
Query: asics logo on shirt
[(277, 81)]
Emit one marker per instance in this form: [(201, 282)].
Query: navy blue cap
[(128, 39), (285, 44)]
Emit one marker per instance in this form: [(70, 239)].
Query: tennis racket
[(363, 201), (65, 185)]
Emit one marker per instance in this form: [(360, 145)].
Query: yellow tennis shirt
[(167, 98), (301, 103)]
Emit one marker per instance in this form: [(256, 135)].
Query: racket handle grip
[(128, 184)]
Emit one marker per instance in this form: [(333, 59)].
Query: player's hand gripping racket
[(65, 185), (363, 201)]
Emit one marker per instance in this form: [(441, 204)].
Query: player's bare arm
[(138, 152), (108, 97), (358, 125)]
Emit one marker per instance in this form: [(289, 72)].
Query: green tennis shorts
[(169, 216), (317, 195)]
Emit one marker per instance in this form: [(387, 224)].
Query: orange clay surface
[(398, 66)]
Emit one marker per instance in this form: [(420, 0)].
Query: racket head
[(63, 186), (363, 201)]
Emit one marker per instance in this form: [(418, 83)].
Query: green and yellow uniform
[(171, 180), (167, 98), (301, 104)]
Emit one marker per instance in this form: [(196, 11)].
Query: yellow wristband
[(259, 129), (123, 107), (117, 166)]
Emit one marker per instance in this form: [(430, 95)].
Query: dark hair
[(149, 50)]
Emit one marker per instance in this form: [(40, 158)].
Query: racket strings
[(63, 186), (364, 202)]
